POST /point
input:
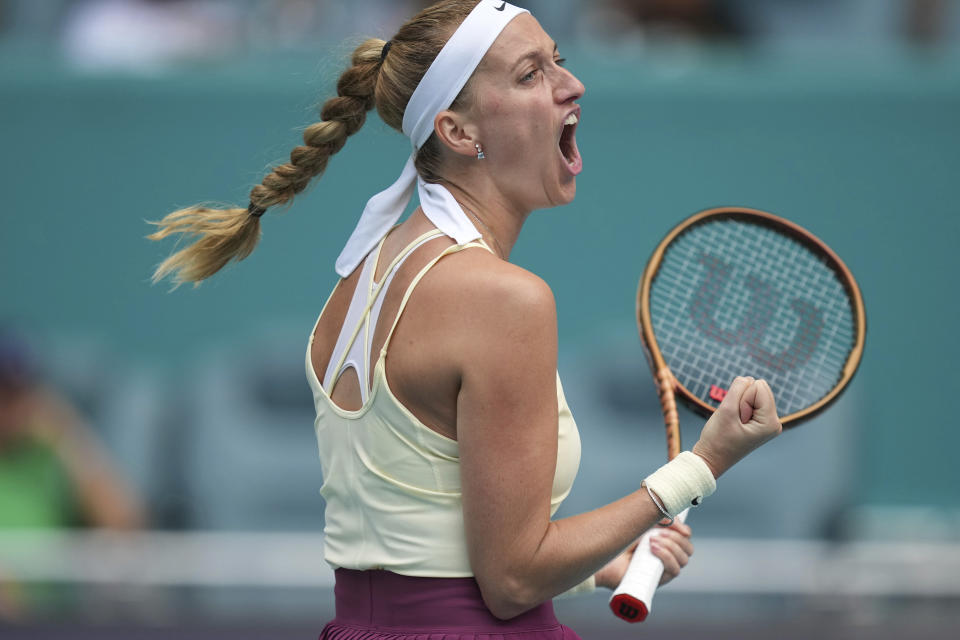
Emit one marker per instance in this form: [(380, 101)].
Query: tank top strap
[(416, 280), (373, 291)]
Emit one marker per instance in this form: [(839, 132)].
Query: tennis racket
[(735, 292)]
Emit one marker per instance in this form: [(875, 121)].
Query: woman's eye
[(560, 62), (530, 76)]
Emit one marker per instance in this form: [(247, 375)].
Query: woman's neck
[(499, 224)]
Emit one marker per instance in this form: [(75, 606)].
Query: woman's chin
[(565, 193)]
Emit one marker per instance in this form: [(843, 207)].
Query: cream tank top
[(392, 484)]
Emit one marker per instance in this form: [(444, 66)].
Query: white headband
[(437, 90)]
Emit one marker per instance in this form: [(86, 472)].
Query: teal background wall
[(863, 153)]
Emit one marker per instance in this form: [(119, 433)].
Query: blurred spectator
[(148, 35), (53, 471), (850, 25), (926, 21), (657, 22), (689, 19), (305, 24)]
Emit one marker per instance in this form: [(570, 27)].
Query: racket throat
[(666, 384)]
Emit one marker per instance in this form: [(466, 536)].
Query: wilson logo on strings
[(756, 318)]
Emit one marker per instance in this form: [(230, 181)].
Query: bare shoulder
[(486, 289), (488, 316)]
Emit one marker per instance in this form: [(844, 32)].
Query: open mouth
[(568, 144)]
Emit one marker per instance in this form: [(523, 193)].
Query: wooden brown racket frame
[(668, 385)]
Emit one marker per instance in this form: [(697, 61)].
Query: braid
[(340, 117), (232, 234), (374, 79)]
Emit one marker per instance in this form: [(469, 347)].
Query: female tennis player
[(445, 440)]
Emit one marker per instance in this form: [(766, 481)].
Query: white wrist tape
[(684, 481)]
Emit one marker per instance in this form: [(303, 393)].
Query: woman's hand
[(671, 544), (745, 419)]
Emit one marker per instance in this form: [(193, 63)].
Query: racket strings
[(735, 298)]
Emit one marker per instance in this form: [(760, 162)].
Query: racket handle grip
[(633, 597)]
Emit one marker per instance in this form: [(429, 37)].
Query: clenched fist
[(745, 419)]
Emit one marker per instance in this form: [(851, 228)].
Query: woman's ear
[(456, 133)]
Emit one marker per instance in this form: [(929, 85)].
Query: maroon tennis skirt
[(381, 605)]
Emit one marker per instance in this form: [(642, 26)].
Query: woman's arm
[(104, 499), (507, 430)]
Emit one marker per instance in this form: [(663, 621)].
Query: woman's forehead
[(521, 37)]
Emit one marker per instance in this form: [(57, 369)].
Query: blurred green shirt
[(34, 492)]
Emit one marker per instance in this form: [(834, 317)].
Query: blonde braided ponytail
[(229, 234), (374, 79)]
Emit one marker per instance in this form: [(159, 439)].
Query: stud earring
[(480, 155)]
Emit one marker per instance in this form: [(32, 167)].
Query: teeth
[(571, 119)]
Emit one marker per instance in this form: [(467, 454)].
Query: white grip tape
[(632, 600)]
